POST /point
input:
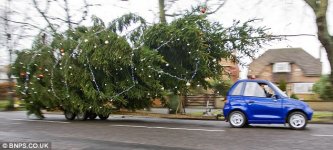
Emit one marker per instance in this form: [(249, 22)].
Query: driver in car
[(266, 92)]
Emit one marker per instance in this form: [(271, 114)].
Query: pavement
[(145, 133)]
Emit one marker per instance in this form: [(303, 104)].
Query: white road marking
[(40, 120), (16, 123), (167, 128), (324, 135)]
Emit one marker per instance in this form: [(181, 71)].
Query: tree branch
[(271, 36), (23, 23), (44, 16), (66, 21), (85, 12), (68, 15), (217, 9), (173, 15)]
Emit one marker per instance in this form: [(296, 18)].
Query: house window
[(302, 88), (281, 67)]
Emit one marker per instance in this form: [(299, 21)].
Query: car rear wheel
[(237, 119), (297, 120)]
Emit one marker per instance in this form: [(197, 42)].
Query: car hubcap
[(237, 119), (297, 120)]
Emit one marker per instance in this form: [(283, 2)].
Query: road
[(142, 133)]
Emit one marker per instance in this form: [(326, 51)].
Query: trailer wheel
[(69, 115), (103, 117), (82, 116), (92, 116)]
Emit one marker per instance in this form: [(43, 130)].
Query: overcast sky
[(283, 17)]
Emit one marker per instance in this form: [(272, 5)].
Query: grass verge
[(322, 117), (4, 103)]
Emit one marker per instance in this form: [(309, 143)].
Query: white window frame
[(281, 67), (303, 88)]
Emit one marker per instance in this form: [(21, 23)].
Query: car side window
[(254, 89), (238, 89)]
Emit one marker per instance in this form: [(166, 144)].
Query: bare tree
[(212, 7), (319, 7)]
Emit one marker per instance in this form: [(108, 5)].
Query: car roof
[(253, 80)]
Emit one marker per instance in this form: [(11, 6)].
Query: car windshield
[(278, 90)]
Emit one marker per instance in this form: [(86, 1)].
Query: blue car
[(262, 102)]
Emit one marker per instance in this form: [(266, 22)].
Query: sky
[(283, 17)]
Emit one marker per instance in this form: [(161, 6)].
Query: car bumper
[(309, 113)]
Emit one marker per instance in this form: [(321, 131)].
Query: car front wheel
[(237, 119), (297, 120)]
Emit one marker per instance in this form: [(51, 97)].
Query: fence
[(202, 100), (215, 101)]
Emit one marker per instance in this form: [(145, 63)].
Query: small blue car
[(262, 102)]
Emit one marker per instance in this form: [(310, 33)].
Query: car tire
[(69, 115), (103, 117), (237, 119), (297, 120), (92, 116), (82, 116)]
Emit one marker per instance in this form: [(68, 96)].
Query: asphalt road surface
[(142, 133)]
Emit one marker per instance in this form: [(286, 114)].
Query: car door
[(261, 109)]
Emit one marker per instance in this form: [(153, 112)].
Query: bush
[(283, 85), (221, 87), (324, 88), (172, 103), (294, 96)]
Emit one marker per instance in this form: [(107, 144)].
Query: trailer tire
[(69, 115), (103, 117), (82, 116), (92, 116)]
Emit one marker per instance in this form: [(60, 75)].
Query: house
[(296, 67), (4, 84), (231, 70)]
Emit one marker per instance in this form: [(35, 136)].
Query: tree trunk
[(320, 9), (162, 11)]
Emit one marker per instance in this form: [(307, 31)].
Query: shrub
[(294, 96), (324, 88), (283, 85)]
